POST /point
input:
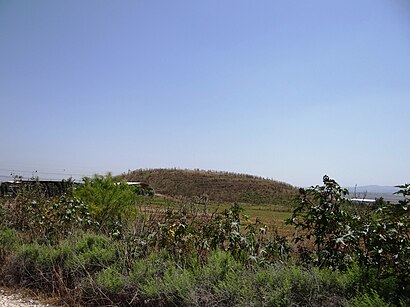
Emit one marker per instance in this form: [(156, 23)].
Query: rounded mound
[(217, 186)]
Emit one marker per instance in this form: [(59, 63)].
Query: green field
[(273, 216)]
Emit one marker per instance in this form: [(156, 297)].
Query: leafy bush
[(188, 235), (387, 241), (321, 215), (44, 218), (362, 279), (377, 237), (26, 211)]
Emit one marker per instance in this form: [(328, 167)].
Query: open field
[(265, 200), (273, 216)]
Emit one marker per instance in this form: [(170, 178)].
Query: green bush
[(8, 241), (111, 203), (174, 287), (39, 266), (153, 265), (45, 257), (36, 256), (360, 279), (387, 242), (110, 280), (285, 285), (272, 288), (160, 277), (220, 264), (45, 219), (224, 278), (93, 252), (178, 283), (367, 300), (322, 215)]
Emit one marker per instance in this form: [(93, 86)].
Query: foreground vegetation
[(101, 244)]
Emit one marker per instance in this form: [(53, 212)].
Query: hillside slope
[(218, 186)]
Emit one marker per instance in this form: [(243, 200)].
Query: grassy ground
[(273, 216)]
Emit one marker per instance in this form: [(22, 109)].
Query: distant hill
[(218, 186), (375, 191)]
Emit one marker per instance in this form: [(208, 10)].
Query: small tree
[(111, 202)]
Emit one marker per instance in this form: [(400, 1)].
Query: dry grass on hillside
[(217, 186)]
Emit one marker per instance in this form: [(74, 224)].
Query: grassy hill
[(218, 186)]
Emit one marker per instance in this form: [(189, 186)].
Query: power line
[(41, 172), (5, 178)]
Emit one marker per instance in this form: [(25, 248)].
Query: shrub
[(224, 278), (294, 285), (45, 219), (160, 278), (366, 300), (110, 280), (174, 287), (322, 217), (387, 242), (67, 215), (377, 237), (35, 256), (271, 288), (39, 266), (93, 252), (111, 203), (219, 265), (8, 241)]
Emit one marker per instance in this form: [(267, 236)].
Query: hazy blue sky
[(288, 90)]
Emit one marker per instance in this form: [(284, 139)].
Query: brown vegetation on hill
[(217, 186)]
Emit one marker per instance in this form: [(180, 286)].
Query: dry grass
[(216, 186), (272, 216)]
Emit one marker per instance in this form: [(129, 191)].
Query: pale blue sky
[(289, 90)]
